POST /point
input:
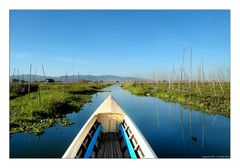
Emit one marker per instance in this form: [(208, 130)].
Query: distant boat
[(109, 133)]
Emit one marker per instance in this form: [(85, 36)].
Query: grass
[(205, 96), (46, 107), (20, 89)]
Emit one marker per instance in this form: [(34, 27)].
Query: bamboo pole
[(22, 76), (214, 88), (182, 64), (18, 76), (177, 80), (172, 77), (169, 83), (65, 82), (35, 75), (29, 83), (13, 74), (190, 73), (182, 126), (203, 78), (39, 94), (44, 77), (198, 77), (182, 70), (190, 128), (155, 81), (228, 76), (78, 79), (156, 108), (218, 76), (203, 131), (179, 86)]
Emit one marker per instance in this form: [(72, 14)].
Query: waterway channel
[(172, 130)]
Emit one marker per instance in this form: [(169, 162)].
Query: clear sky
[(117, 42)]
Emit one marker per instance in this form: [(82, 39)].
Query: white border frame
[(233, 5)]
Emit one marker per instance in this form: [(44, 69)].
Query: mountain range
[(75, 78)]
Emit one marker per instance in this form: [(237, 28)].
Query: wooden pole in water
[(29, 83), (35, 75), (203, 131), (182, 64), (214, 88), (44, 77), (155, 78), (182, 127), (172, 78), (78, 79), (182, 69), (218, 79), (186, 76), (202, 71), (198, 80), (190, 125), (72, 70), (13, 74), (169, 83), (18, 76), (228, 76), (39, 94), (203, 79), (190, 73), (65, 81), (179, 78), (156, 108), (22, 76)]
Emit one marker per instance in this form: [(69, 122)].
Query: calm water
[(171, 130)]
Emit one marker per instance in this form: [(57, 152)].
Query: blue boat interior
[(98, 144)]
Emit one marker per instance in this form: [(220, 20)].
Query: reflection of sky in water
[(170, 129)]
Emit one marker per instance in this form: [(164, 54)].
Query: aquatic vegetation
[(19, 89), (39, 110), (206, 101)]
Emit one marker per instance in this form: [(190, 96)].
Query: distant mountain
[(76, 78)]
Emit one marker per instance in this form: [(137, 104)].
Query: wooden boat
[(109, 133)]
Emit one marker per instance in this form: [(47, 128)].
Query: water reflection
[(203, 130), (214, 119), (182, 126), (171, 129), (157, 111)]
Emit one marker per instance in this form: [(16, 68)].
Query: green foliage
[(205, 97), (19, 89), (37, 111)]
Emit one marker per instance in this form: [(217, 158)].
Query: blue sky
[(117, 42)]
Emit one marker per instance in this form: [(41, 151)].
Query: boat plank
[(110, 146)]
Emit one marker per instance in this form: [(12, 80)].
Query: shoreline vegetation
[(38, 106), (197, 88), (206, 96)]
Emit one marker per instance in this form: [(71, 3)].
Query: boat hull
[(126, 138)]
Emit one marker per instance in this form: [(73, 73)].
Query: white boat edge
[(78, 140)]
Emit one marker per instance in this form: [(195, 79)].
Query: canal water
[(172, 130)]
